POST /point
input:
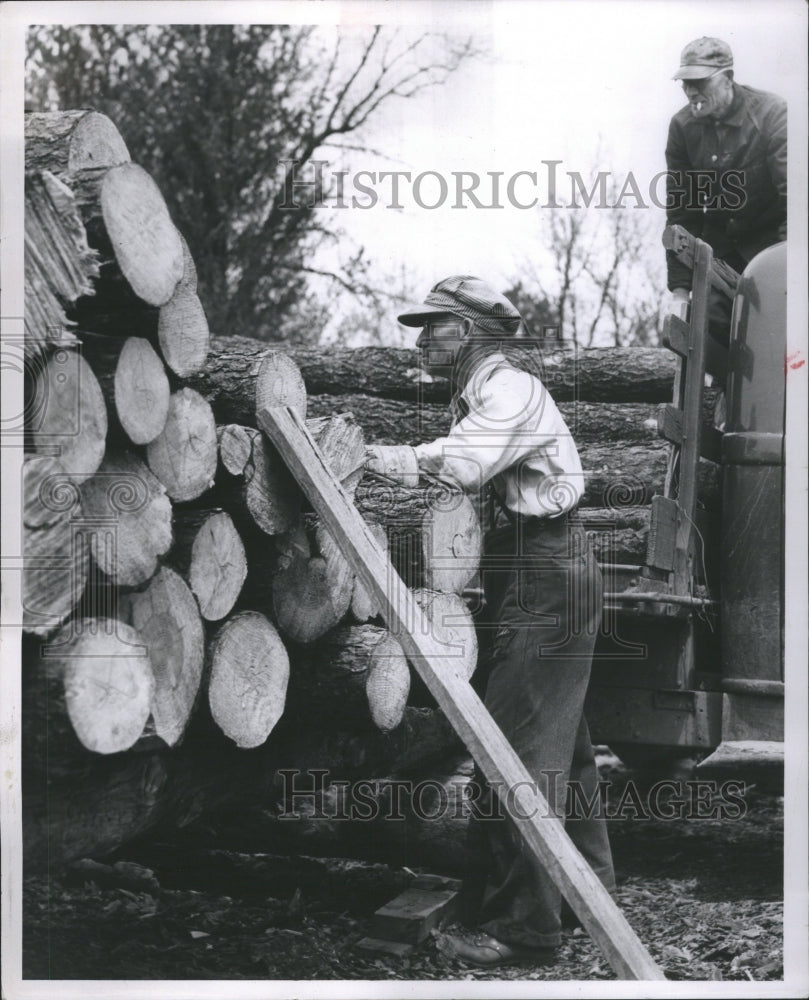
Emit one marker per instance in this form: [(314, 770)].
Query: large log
[(182, 331), (55, 550), (309, 596), (128, 223), (66, 141), (209, 553), (100, 804), (616, 476), (420, 823), (396, 421), (167, 620), (67, 415), (128, 518), (249, 675), (184, 455), (99, 675), (628, 375), (59, 264), (141, 391), (353, 676), (452, 628), (451, 544), (134, 384)]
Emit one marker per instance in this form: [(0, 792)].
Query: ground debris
[(708, 909)]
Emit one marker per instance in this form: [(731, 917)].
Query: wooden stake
[(545, 837)]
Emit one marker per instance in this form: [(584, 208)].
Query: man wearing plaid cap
[(727, 168), (543, 595)]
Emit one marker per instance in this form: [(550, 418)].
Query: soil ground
[(704, 895)]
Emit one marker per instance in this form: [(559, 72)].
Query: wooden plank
[(692, 422), (670, 423), (413, 914), (676, 335), (670, 428), (684, 246), (662, 533), (544, 835)]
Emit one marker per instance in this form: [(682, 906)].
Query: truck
[(690, 662)]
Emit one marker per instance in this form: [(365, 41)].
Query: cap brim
[(419, 316), (696, 72)]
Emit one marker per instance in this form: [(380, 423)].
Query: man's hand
[(396, 462)]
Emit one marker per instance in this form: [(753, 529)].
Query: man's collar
[(735, 115), (482, 371)]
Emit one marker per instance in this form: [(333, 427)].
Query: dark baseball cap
[(703, 57), (469, 297)]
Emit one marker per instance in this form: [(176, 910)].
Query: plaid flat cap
[(469, 297), (703, 57)]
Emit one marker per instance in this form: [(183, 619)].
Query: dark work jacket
[(742, 182)]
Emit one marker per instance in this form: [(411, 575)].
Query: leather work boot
[(479, 948)]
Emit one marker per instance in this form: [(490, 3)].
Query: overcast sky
[(584, 82), (587, 83)]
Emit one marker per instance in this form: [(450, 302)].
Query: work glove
[(395, 462)]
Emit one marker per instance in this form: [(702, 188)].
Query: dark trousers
[(546, 601)]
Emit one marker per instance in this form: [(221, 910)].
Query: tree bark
[(395, 421), (249, 675), (616, 476), (96, 807), (615, 375), (66, 141), (68, 414), (59, 265), (421, 823), (167, 620), (128, 519), (184, 455)]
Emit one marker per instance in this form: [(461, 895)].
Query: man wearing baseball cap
[(727, 168), (543, 597)]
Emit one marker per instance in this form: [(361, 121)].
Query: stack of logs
[(191, 630)]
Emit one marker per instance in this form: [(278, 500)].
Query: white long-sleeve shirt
[(513, 435)]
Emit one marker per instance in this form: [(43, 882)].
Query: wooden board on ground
[(413, 914), (546, 838)]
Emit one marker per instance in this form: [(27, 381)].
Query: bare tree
[(599, 271), (235, 122)]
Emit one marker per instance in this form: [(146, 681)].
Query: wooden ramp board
[(544, 836)]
